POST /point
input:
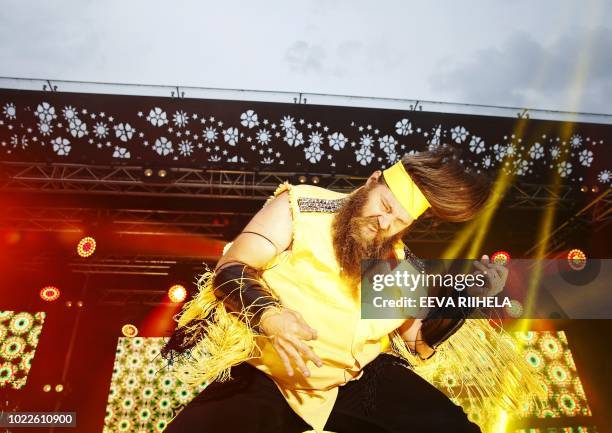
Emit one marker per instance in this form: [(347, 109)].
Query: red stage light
[(86, 247), (177, 293), (576, 259), (129, 330), (49, 293), (500, 258)]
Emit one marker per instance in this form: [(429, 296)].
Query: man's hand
[(287, 328), (496, 275)]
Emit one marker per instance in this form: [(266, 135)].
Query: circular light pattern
[(59, 387), (550, 347), (86, 246), (47, 388), (534, 359), (568, 404), (6, 373), (515, 309), (500, 258), (558, 374), (576, 259), (177, 293), (49, 293), (21, 323), (12, 347), (129, 330), (528, 337)]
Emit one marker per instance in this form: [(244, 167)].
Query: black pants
[(388, 398)]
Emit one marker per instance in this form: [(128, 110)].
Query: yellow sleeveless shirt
[(306, 278)]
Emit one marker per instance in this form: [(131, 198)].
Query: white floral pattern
[(555, 152), (249, 119), (124, 132), (373, 142), (576, 141), (263, 136), (100, 130), (45, 112), (185, 148), (69, 113), (337, 141), (163, 146), (287, 123), (61, 146), (230, 135), (536, 151), (180, 119), (210, 134), (364, 155), (294, 138), (564, 169), (77, 127), (366, 141), (9, 110), (157, 117), (315, 139), (387, 144), (459, 134), (586, 157), (313, 153), (45, 128), (477, 145), (403, 127), (121, 153)]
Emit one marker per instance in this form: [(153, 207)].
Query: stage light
[(148, 172), (59, 387), (595, 189), (47, 388), (584, 188), (500, 258), (576, 259), (86, 246), (162, 173), (302, 179), (49, 293), (177, 293), (80, 304), (315, 180), (68, 304), (515, 309), (129, 330)]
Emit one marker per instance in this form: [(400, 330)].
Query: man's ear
[(373, 179)]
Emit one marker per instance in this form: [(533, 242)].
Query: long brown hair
[(454, 194)]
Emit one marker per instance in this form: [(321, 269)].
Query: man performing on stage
[(276, 329)]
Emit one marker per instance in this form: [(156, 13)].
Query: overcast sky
[(554, 54)]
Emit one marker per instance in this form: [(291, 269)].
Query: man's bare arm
[(268, 234)]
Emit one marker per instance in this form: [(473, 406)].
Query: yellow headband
[(405, 190)]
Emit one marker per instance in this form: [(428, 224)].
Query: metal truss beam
[(219, 184), (596, 215)]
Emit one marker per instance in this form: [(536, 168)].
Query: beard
[(351, 246)]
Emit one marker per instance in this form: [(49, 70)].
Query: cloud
[(305, 57), (574, 73)]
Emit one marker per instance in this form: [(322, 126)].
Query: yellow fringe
[(224, 342), (480, 363)]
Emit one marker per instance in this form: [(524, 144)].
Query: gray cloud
[(573, 73), (303, 56)]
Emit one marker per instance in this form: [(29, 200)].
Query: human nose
[(383, 222)]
